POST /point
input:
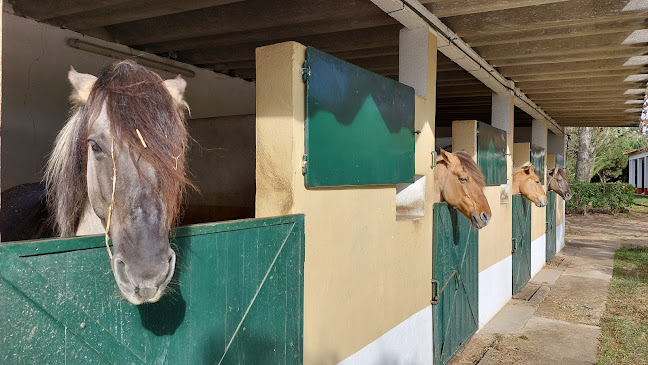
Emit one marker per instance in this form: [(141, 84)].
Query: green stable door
[(521, 242), (551, 225), (455, 282), (236, 298)]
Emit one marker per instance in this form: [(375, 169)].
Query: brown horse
[(527, 182), (118, 165), (460, 182), (559, 183)]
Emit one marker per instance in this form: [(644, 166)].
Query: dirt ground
[(556, 317)]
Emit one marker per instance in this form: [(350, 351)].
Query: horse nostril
[(119, 268), (485, 217)]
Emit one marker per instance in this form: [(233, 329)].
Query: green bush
[(611, 197)]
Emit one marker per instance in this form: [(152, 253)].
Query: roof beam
[(446, 8), (596, 26), (562, 67), (579, 55), (44, 9), (238, 17), (271, 34), (131, 11), (554, 47), (331, 42), (542, 16)]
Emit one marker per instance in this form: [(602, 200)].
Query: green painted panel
[(491, 153), (455, 268), (359, 125), (521, 242), (237, 294), (551, 225), (538, 160)]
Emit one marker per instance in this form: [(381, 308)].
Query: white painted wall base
[(495, 288), (410, 342), (538, 254), (560, 237)]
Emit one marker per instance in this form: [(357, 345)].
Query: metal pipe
[(143, 58)]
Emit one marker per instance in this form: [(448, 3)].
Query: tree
[(599, 151)]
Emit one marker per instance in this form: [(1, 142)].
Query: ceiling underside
[(568, 56)]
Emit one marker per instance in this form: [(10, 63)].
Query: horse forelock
[(135, 100), (471, 167)]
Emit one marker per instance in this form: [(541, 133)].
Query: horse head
[(559, 183), (461, 184), (527, 182), (122, 154)]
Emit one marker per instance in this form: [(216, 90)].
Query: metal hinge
[(434, 158), (304, 164), (435, 292), (515, 245), (305, 71)]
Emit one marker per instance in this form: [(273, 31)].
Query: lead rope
[(112, 197)]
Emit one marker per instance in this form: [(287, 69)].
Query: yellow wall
[(495, 238), (365, 272), (521, 154)]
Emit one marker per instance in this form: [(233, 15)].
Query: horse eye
[(95, 147), (463, 179)]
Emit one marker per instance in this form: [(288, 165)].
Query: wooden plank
[(581, 55), (587, 74), (542, 16), (565, 31), (558, 66), (271, 33), (331, 42), (237, 17), (131, 11), (44, 9), (447, 8), (557, 47)]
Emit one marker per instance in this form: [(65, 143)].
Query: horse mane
[(471, 167), (135, 99)]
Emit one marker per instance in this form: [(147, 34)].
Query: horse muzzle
[(480, 221), (139, 289)]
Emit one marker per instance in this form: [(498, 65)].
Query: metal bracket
[(435, 292), (434, 158), (304, 164), (305, 71)]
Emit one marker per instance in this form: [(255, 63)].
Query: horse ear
[(81, 86), (551, 172), (450, 158), (176, 87)]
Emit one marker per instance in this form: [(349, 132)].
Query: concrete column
[(539, 134), (644, 161), (639, 174), (495, 285), (539, 215), (631, 172)]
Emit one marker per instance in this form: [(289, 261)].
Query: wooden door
[(455, 282), (236, 297), (521, 242)]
